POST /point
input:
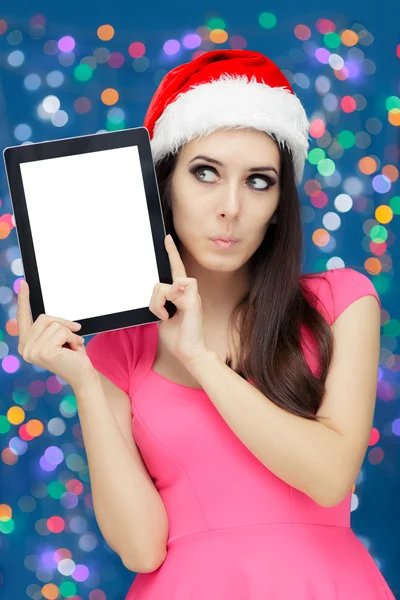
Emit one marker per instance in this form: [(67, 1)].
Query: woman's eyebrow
[(220, 164)]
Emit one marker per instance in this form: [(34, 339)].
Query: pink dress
[(236, 531)]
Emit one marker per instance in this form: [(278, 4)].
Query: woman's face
[(230, 198)]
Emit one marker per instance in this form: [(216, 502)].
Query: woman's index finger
[(24, 317)]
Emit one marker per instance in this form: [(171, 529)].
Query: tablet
[(90, 227)]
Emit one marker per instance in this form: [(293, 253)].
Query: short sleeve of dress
[(112, 353), (341, 287)]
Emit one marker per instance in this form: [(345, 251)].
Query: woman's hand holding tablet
[(43, 343)]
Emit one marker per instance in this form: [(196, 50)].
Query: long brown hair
[(276, 305)]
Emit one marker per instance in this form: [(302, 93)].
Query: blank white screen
[(91, 232)]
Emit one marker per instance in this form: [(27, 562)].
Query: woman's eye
[(268, 181), (198, 170)]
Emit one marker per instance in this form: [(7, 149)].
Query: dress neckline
[(165, 379)]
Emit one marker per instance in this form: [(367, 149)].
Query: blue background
[(24, 539)]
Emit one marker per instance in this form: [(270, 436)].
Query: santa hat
[(226, 89)]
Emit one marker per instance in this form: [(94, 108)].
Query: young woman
[(224, 442)]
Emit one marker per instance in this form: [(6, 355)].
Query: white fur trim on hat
[(233, 102)]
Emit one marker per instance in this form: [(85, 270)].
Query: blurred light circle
[(322, 84), (324, 140), (42, 114), (66, 59), (22, 132), (394, 117), (356, 54), (116, 114), (336, 62), (331, 221), (343, 203), (317, 128), (218, 36), (310, 48), (51, 104), (60, 118), (352, 69), (391, 172), (50, 47), (171, 47), (367, 67), (384, 214), (105, 32), (316, 155), (322, 55), (333, 180), (37, 32), (216, 23), (378, 234), (381, 184), (191, 40), (361, 101), (353, 186), (307, 214), (82, 105), (55, 78), (335, 262), (237, 42), (116, 60), (267, 20), (320, 200), (348, 104), (363, 140), (330, 102), (302, 80), (101, 55), (365, 37), (367, 165), (15, 58), (346, 139), (14, 37), (349, 37), (289, 75), (141, 64), (32, 82), (136, 49), (302, 32), (395, 204), (332, 40), (109, 96), (90, 61), (320, 237), (66, 43), (392, 102), (325, 26), (83, 72), (373, 125), (326, 167)]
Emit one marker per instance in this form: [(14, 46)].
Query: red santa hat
[(225, 89)]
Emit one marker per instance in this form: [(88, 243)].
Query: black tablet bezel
[(15, 155)]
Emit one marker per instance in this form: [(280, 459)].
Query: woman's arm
[(129, 510), (321, 459)]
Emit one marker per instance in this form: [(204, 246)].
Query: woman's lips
[(224, 245)]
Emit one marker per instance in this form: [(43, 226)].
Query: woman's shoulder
[(336, 289), (117, 352)]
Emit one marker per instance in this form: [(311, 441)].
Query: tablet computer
[(90, 227)]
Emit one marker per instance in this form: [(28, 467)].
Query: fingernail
[(78, 325)]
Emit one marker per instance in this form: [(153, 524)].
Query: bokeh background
[(69, 69)]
